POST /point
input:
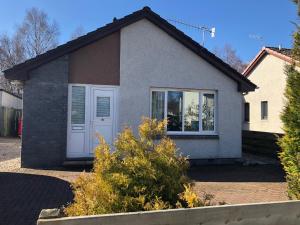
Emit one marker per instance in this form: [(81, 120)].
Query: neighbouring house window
[(78, 105), (158, 104), (103, 107), (264, 110), (247, 112), (185, 111)]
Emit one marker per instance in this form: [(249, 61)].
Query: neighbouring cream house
[(262, 108), (139, 65)]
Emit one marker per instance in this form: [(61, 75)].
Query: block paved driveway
[(24, 192), (22, 196)]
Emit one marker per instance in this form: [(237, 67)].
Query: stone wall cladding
[(45, 105)]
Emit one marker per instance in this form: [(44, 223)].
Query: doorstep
[(87, 161)]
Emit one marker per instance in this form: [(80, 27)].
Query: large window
[(264, 110), (191, 112)]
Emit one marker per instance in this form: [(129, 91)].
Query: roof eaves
[(260, 55)]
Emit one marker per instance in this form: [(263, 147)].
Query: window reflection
[(191, 111), (208, 104), (174, 112)]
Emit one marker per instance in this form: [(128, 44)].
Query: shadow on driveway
[(237, 173), (23, 196)]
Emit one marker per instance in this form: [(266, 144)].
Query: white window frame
[(201, 92)]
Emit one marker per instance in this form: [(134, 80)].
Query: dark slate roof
[(20, 71), (284, 51)]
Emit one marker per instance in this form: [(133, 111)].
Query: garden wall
[(287, 213), (263, 143)]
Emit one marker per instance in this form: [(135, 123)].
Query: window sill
[(189, 136)]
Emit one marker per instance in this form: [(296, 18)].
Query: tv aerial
[(203, 29), (258, 38)]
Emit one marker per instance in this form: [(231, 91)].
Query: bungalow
[(139, 65)]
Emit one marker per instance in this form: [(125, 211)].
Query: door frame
[(88, 111)]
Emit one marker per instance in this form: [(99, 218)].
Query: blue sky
[(234, 20)]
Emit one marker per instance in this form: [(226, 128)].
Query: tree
[(140, 174), (38, 33), (228, 55), (12, 52), (78, 32), (33, 37), (290, 116)]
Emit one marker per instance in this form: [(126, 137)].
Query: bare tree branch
[(79, 31), (34, 36), (228, 55), (38, 34)]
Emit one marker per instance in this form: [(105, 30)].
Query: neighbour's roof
[(11, 93), (20, 71), (282, 53)]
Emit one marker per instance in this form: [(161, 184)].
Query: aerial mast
[(203, 29)]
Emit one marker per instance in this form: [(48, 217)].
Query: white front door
[(91, 112), (102, 116)]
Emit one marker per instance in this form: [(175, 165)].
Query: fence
[(261, 143), (285, 213), (9, 121)]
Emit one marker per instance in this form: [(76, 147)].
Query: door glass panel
[(191, 111), (208, 111), (103, 107), (78, 105), (175, 110)]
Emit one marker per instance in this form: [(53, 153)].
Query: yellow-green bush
[(140, 173)]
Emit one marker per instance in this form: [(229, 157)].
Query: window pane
[(78, 105), (208, 117), (264, 110), (191, 111), (158, 105), (175, 111), (103, 107), (247, 112)]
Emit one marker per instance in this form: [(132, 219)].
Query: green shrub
[(290, 142), (143, 173)]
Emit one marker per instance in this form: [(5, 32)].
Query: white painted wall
[(270, 79), (151, 58), (10, 101)]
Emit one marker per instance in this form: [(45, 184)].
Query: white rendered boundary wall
[(276, 213)]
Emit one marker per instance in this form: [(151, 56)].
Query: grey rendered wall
[(45, 102), (151, 58)]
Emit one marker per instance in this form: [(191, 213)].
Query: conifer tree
[(290, 143)]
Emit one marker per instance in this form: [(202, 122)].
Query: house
[(139, 65), (263, 107)]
